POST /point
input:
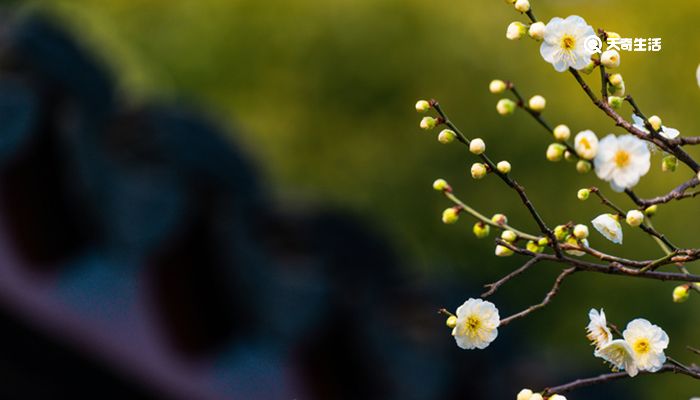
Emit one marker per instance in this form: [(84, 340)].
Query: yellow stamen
[(568, 42), (622, 158)]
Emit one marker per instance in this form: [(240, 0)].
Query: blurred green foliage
[(324, 92)]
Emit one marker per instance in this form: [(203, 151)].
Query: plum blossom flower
[(586, 144), (648, 343), (597, 330), (668, 133), (477, 324), (619, 354), (608, 226), (563, 44), (622, 160)]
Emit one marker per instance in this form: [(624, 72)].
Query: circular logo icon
[(593, 44)]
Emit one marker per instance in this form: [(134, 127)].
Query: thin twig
[(493, 287)]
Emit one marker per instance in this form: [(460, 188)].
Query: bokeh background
[(319, 97)]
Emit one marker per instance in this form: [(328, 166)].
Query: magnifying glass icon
[(593, 44)]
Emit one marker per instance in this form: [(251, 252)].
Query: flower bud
[(536, 31), (655, 122), (478, 170), (543, 241), (441, 185), (499, 219), (681, 293), (580, 231), (634, 218), (497, 86), (451, 321), (522, 5), (560, 232), (516, 30), (589, 68), (503, 251), (428, 123), (618, 91), (509, 236), (669, 164), (450, 215), (583, 166), (583, 194), (524, 394), (615, 102), (555, 152), (503, 167), (574, 242), (422, 106), (537, 103), (557, 397), (562, 133), (505, 106), (651, 210), (536, 396), (610, 59), (477, 146), (446, 136), (616, 79), (481, 230), (533, 247)]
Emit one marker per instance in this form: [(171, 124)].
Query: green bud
[(583, 166), (560, 232), (509, 236), (441, 185), (543, 241), (681, 293), (583, 194), (428, 123), (451, 321), (533, 247), (446, 136), (450, 215), (503, 251), (615, 102), (422, 106), (481, 230), (651, 210), (669, 164), (588, 68), (499, 219), (505, 107)]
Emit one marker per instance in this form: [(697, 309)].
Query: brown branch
[(679, 192), (505, 178), (646, 228), (553, 292), (614, 268), (493, 287), (579, 383)]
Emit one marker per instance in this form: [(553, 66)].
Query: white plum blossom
[(477, 324), (608, 226), (647, 342), (619, 354), (622, 160), (597, 330), (586, 144), (668, 133), (563, 44)]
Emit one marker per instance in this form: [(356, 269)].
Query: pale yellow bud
[(422, 106), (655, 122), (509, 236), (516, 30), (450, 215), (524, 394), (440, 185), (478, 170), (651, 210), (522, 5), (502, 251), (428, 123), (555, 152), (451, 321), (610, 59), (616, 80), (562, 133), (499, 219), (583, 194), (537, 103), (583, 166), (497, 86), (477, 146), (634, 218), (580, 231), (503, 167), (481, 230), (536, 31)]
